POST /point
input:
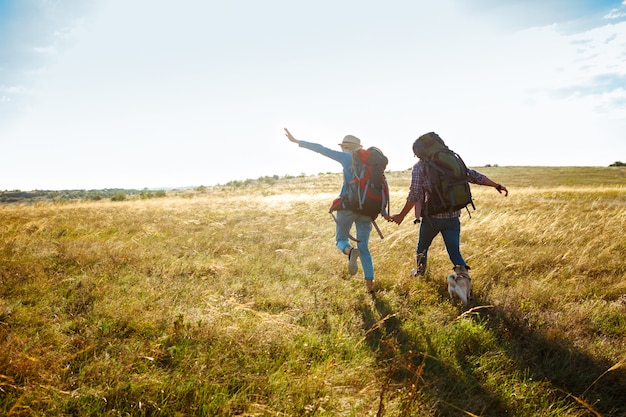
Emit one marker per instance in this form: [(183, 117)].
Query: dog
[(460, 288)]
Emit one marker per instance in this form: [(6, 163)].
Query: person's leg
[(451, 233), (343, 224), (428, 230), (363, 230), (344, 220)]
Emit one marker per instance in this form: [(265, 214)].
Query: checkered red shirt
[(420, 188)]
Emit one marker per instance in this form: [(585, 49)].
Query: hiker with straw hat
[(346, 218)]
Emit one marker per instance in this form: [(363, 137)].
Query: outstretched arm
[(343, 157), (499, 187), (290, 136), (481, 179)]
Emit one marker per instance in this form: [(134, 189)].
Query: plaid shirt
[(420, 188)]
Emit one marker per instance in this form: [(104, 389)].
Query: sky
[(159, 94)]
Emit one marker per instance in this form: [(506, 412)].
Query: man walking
[(446, 223)]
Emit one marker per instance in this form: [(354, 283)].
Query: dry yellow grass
[(234, 301)]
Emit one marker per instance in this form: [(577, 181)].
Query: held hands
[(290, 136), (396, 218), (399, 217)]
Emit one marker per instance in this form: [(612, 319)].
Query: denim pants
[(345, 219), (450, 230)]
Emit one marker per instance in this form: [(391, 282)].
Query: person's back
[(446, 176), (366, 192)]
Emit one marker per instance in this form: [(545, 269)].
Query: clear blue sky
[(154, 93)]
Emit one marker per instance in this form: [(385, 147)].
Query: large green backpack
[(447, 176)]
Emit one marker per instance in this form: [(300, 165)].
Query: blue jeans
[(345, 219), (450, 230)]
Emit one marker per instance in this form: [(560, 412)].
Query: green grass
[(233, 300)]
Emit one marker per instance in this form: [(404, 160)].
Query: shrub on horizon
[(120, 196)]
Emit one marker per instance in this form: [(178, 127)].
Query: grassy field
[(234, 301)]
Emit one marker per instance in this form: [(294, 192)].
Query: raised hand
[(290, 136)]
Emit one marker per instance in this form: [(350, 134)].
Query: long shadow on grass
[(382, 327), (566, 368), (572, 375), (414, 368)]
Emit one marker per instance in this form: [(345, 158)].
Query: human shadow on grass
[(574, 378), (412, 367), (592, 383), (578, 377)]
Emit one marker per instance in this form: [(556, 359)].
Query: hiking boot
[(370, 286), (353, 256), (418, 272), (421, 266)]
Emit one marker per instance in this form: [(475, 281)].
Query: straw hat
[(351, 141)]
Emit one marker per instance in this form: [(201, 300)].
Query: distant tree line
[(618, 164), (265, 180), (115, 194)]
